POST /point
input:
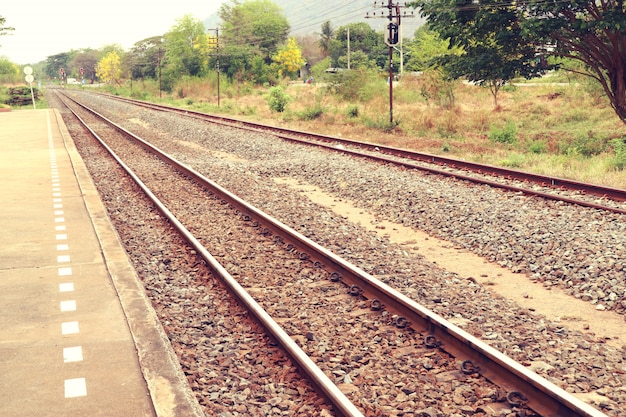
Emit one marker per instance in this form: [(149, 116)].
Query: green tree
[(326, 36), (87, 59), (524, 34), (109, 68), (358, 61), (288, 59), (54, 64), (590, 31), (144, 58), (9, 71), (4, 30), (187, 45), (424, 48), (493, 48), (362, 38), (250, 28)]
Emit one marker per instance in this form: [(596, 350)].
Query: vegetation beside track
[(558, 126)]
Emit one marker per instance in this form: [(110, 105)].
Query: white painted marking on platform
[(57, 200), (76, 387), (66, 287), (63, 258), (56, 194), (72, 354), (57, 206), (62, 237), (58, 212), (63, 246), (69, 327), (68, 305), (64, 272), (59, 228), (59, 220)]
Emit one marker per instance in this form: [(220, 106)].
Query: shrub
[(584, 144), (538, 146), (355, 85), (277, 99), (311, 113), (514, 161), (353, 112), (381, 123), (435, 87), (508, 134)]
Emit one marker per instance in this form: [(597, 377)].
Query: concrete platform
[(77, 335)]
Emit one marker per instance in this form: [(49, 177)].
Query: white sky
[(49, 27)]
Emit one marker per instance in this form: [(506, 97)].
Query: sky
[(47, 27)]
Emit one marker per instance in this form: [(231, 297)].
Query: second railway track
[(384, 394)]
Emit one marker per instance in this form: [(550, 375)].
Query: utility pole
[(392, 39), (217, 61)]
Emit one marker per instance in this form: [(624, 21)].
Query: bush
[(311, 113), (538, 146), (277, 99), (381, 122), (508, 134), (584, 144), (436, 88), (357, 85), (353, 112)]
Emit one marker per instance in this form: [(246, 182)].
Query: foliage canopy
[(502, 39), (289, 59), (109, 68)]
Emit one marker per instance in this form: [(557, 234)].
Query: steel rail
[(611, 193), (300, 358), (541, 396)]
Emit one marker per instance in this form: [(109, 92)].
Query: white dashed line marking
[(63, 272), (69, 327), (75, 388), (72, 354), (69, 305)]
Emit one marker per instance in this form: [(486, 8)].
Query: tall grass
[(565, 130)]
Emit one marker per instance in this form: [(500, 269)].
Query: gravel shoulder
[(551, 302)]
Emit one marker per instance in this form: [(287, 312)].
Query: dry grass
[(555, 123)]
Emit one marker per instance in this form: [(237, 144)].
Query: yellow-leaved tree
[(109, 68), (288, 60)]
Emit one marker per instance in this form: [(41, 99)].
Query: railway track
[(552, 188), (420, 331)]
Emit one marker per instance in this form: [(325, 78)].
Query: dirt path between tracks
[(551, 302)]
